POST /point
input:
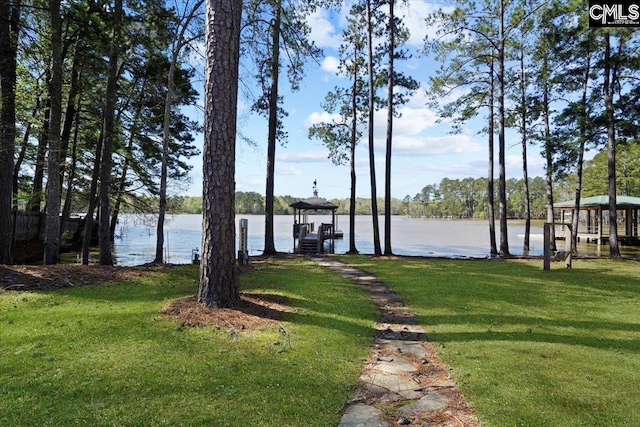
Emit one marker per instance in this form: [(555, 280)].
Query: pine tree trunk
[(607, 91), (71, 176), (583, 138), (87, 234), (502, 184), (70, 110), (269, 245), (18, 163), (377, 250), (35, 201), (166, 127), (104, 235), (9, 16), (218, 279), (525, 169), (549, 165), (352, 159), (490, 184), (23, 152), (52, 224), (387, 175)]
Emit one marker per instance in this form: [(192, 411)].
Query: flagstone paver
[(403, 382)]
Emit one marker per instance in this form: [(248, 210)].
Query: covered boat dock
[(309, 237), (593, 224)]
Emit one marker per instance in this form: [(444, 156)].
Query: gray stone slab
[(397, 365), (361, 415), (410, 347), (394, 383), (364, 278), (432, 401)]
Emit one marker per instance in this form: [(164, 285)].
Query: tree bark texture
[(9, 15), (269, 244), (218, 278), (104, 235), (502, 184), (52, 211)]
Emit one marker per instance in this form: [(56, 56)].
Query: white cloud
[(323, 32), (324, 117), (413, 15), (248, 182), (535, 165), (452, 170), (433, 146), (287, 170), (330, 64), (414, 120), (304, 157), (411, 122), (419, 97), (513, 163)]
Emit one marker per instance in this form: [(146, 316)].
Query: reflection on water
[(136, 239)]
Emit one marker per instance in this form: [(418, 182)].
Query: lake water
[(136, 236)]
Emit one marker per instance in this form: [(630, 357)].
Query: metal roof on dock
[(314, 203), (600, 201)]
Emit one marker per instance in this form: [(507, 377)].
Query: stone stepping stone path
[(404, 382)]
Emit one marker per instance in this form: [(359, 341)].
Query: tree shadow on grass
[(507, 300), (599, 342)]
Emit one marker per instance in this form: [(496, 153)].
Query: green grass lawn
[(104, 355), (531, 347)]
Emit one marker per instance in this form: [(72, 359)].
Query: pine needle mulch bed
[(255, 312), (28, 277)]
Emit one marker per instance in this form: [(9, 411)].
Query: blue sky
[(424, 152)]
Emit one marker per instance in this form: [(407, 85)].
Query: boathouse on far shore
[(593, 226)]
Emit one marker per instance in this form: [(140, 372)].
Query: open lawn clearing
[(105, 355), (530, 347)]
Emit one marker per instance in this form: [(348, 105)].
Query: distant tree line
[(455, 198), (465, 198)]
